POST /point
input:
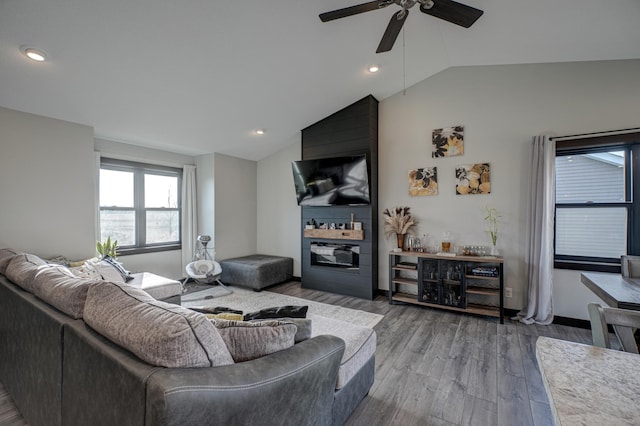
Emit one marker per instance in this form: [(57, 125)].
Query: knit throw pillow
[(250, 340)]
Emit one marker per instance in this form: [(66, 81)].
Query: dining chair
[(623, 321), (630, 266)]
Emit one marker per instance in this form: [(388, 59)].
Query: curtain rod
[(596, 134)]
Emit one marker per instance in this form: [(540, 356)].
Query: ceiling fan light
[(34, 54), (374, 69)]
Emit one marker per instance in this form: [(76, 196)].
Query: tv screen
[(338, 181)]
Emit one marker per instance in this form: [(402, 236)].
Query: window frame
[(587, 144), (139, 171)]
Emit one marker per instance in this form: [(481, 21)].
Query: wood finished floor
[(435, 367)]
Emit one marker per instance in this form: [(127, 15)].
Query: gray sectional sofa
[(61, 371)]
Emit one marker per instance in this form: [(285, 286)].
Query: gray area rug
[(194, 286), (250, 301)]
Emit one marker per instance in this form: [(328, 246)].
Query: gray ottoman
[(256, 271)]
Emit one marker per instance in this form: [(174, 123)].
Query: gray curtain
[(96, 185), (539, 250), (189, 214)]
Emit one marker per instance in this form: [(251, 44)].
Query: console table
[(472, 284), (588, 385), (616, 290)]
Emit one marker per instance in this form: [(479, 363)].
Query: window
[(140, 205), (595, 214)]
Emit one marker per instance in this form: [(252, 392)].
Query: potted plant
[(491, 219), (108, 248), (398, 220)]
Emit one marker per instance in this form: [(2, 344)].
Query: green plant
[(398, 220), (108, 248), (491, 219)]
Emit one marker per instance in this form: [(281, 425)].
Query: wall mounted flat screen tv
[(338, 181)]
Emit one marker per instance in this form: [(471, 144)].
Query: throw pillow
[(159, 333), (57, 286), (22, 268), (86, 270), (289, 311), (58, 260), (303, 324), (215, 310), (5, 257), (126, 275), (106, 269), (107, 272), (225, 315), (251, 340)]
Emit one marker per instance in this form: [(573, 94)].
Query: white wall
[(278, 213), (502, 108), (205, 188), (124, 151), (235, 206), (46, 186)]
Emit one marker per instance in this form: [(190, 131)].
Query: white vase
[(494, 251)]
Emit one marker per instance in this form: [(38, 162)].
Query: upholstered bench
[(160, 288), (256, 271)]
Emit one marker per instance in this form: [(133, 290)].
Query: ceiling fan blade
[(454, 12), (392, 31), (353, 10)]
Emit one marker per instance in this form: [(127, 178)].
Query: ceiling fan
[(449, 10)]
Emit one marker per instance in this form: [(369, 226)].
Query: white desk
[(587, 385)]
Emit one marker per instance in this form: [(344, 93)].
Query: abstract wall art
[(423, 181), (447, 142), (473, 179)]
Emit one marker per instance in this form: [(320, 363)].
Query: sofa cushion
[(22, 268), (5, 256), (159, 333), (360, 344), (250, 340), (57, 286)]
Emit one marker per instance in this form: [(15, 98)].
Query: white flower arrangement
[(491, 219)]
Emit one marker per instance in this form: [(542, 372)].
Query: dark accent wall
[(350, 131)]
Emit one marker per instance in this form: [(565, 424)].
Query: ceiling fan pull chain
[(404, 67)]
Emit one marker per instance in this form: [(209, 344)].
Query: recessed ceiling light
[(34, 54), (374, 69), (260, 132)]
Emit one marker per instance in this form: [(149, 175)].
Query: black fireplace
[(335, 255)]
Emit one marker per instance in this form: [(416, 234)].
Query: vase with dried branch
[(398, 221), (491, 219)]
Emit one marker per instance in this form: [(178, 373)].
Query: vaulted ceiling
[(200, 76)]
